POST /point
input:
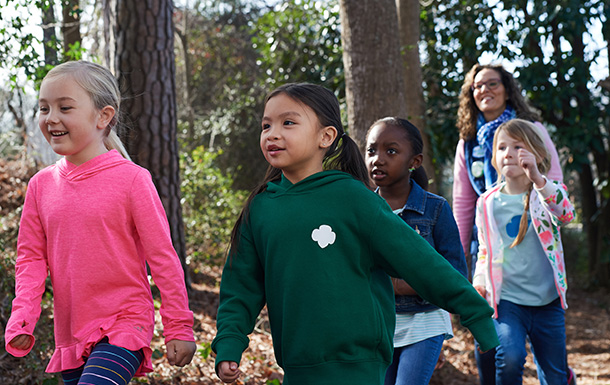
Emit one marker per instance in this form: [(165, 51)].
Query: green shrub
[(210, 206)]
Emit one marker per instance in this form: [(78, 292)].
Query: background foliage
[(210, 206), (231, 52)]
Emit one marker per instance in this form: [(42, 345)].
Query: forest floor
[(587, 327)]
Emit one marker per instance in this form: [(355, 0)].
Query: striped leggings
[(107, 365)]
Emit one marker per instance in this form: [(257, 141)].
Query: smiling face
[(490, 100), (70, 122), (389, 156), (292, 138)]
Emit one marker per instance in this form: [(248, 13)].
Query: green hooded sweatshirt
[(318, 253)]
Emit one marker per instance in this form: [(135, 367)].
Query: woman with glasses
[(489, 96)]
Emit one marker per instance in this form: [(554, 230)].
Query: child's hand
[(528, 163), (482, 291), (21, 342), (228, 371), (180, 353)]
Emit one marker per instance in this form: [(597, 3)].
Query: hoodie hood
[(311, 183), (90, 168)]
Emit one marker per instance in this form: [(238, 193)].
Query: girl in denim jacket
[(520, 268), (394, 157)]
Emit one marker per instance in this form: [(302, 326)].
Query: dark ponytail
[(345, 155), (420, 176)]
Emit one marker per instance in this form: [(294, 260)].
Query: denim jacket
[(431, 216)]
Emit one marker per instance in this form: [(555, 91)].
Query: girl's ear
[(105, 117), (329, 134), (417, 161)]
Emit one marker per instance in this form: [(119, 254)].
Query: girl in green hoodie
[(316, 245)]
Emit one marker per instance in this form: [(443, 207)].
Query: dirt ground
[(588, 344)]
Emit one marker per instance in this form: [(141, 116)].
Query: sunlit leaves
[(301, 41)]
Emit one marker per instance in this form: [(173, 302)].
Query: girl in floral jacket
[(520, 268)]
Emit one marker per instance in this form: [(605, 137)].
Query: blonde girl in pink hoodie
[(93, 221)]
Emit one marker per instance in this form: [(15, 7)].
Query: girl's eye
[(370, 150), (43, 109), (392, 151), (288, 122), (265, 126), (65, 108)]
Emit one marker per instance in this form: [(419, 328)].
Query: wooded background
[(194, 75)]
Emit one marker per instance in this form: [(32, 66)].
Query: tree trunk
[(49, 38), (109, 10), (596, 226), (71, 25), (408, 20), (374, 84), (146, 65)]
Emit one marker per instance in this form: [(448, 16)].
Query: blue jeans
[(414, 364), (544, 327)]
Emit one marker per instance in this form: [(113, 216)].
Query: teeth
[(56, 133)]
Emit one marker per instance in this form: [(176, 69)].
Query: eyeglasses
[(491, 84)]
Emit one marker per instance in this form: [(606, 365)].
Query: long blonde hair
[(104, 91), (526, 132)]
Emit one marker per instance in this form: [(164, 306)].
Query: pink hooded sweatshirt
[(94, 227)]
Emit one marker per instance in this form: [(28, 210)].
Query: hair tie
[(411, 169), (344, 134)]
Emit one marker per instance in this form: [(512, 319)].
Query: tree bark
[(408, 20), (146, 66), (49, 38), (70, 25), (374, 83), (109, 10)]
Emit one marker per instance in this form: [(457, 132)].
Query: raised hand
[(527, 161)]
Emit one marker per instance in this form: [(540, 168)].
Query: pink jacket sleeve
[(555, 172), (479, 277), (153, 229), (464, 198), (31, 271)]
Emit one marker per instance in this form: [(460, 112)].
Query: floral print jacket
[(550, 208)]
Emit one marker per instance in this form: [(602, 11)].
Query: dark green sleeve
[(402, 253), (242, 296)]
